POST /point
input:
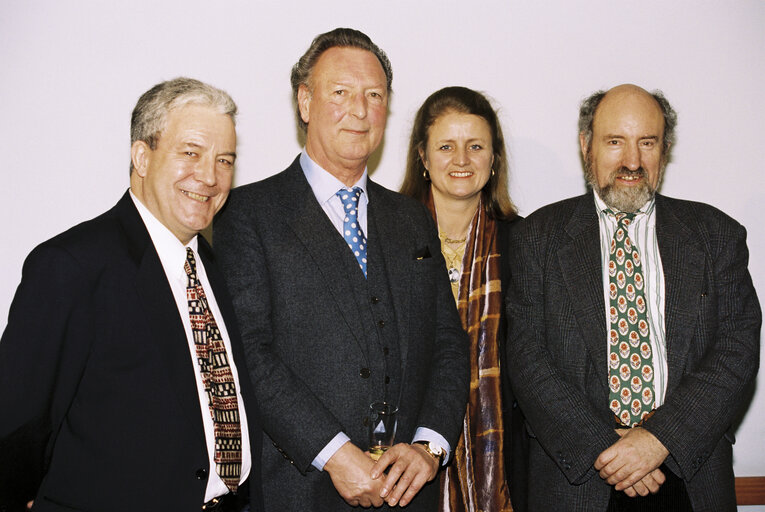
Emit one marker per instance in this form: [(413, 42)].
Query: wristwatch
[(433, 450)]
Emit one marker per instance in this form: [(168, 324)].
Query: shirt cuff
[(426, 434), (328, 451)]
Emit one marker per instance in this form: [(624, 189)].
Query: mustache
[(625, 171)]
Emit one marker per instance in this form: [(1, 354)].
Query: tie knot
[(624, 219), (190, 265), (350, 198)]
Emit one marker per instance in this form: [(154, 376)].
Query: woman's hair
[(495, 196)]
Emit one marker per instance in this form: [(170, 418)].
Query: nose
[(359, 106), (205, 171), (631, 157), (460, 156)]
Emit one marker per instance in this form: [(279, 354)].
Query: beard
[(621, 198)]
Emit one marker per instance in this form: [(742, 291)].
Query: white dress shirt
[(642, 233), (325, 187), (172, 255)]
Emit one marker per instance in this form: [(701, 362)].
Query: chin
[(627, 199)]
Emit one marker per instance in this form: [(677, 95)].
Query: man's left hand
[(631, 458), (411, 468)]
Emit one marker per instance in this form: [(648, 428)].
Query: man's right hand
[(349, 469)]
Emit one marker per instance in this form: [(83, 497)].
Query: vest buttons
[(365, 373)]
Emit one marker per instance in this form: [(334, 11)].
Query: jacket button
[(365, 373), (386, 351), (201, 474), (374, 300), (381, 323), (387, 379)]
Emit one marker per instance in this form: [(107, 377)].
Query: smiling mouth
[(629, 176), (461, 174), (196, 197)]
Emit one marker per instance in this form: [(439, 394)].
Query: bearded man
[(634, 327)]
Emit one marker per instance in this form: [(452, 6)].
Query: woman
[(457, 166)]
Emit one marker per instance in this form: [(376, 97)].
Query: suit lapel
[(683, 263), (161, 313), (580, 262), (382, 221), (324, 244)]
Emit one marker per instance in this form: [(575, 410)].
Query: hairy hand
[(631, 458), (411, 467), (349, 468)]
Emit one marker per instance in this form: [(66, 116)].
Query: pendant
[(454, 275)]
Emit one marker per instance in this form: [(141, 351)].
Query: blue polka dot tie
[(352, 231)]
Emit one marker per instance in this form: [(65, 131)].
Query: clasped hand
[(362, 482), (632, 463)]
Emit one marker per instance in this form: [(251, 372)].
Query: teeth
[(196, 197), (461, 174)]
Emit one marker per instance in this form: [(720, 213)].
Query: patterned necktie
[(630, 360), (352, 231), (217, 379)]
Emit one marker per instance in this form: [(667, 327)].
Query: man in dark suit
[(634, 328), (118, 368), (340, 288)]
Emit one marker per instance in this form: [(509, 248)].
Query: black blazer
[(306, 328), (557, 349), (99, 402)]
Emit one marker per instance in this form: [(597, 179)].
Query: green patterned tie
[(630, 363)]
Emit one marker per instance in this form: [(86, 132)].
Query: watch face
[(435, 449)]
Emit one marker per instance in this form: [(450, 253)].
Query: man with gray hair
[(634, 328), (123, 384), (341, 290)]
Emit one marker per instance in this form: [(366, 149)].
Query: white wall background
[(72, 72)]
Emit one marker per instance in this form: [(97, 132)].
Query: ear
[(583, 145), (423, 158), (304, 102), (140, 154)]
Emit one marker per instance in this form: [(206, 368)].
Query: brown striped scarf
[(475, 480)]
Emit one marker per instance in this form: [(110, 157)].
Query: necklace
[(453, 256), (448, 240)]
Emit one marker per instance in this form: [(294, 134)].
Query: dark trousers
[(672, 496)]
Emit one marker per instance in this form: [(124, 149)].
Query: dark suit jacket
[(306, 330), (557, 349), (516, 441), (97, 387)]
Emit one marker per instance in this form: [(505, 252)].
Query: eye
[(190, 154), (445, 147), (339, 92), (226, 162), (649, 143), (476, 147)]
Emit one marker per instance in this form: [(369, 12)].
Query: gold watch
[(433, 450)]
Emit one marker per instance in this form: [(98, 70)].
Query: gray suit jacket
[(307, 331), (557, 349)]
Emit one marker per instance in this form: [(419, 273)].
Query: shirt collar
[(323, 184), (171, 252)]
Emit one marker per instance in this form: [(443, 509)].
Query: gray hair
[(590, 105), (149, 116), (343, 37)]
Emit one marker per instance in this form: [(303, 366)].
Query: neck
[(455, 217), (349, 173)]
